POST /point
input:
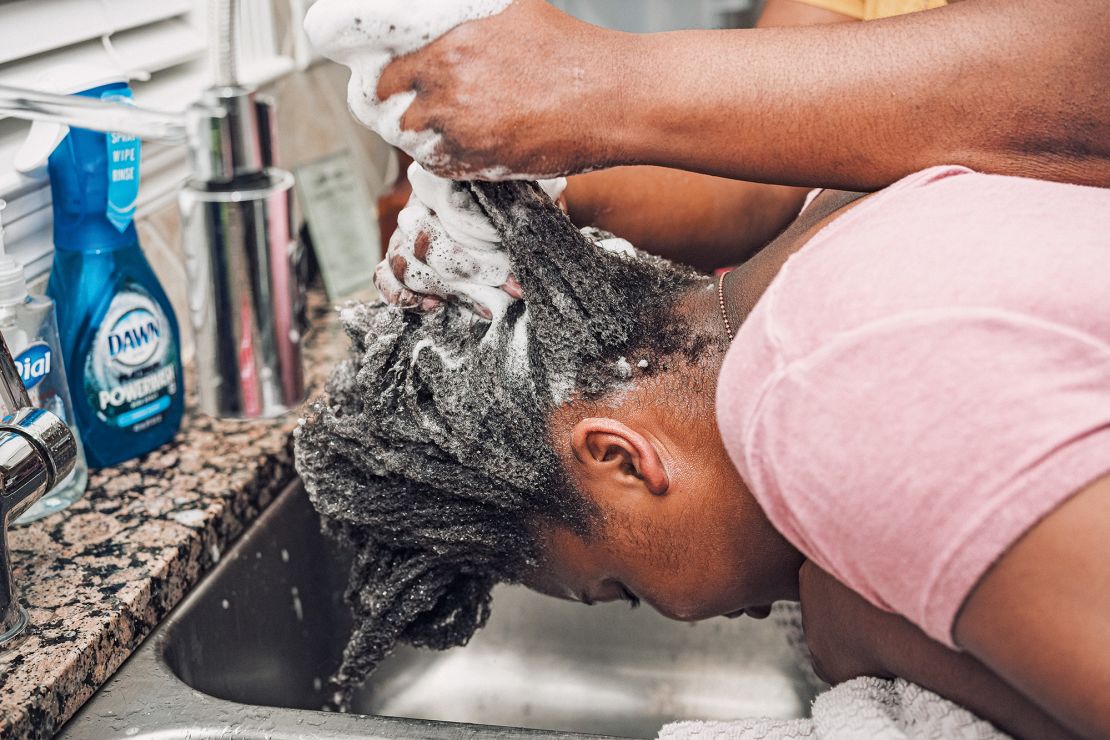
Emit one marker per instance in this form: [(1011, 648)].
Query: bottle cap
[(13, 283)]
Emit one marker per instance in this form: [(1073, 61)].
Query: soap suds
[(451, 250), (616, 245), (459, 213), (624, 370), (366, 36)]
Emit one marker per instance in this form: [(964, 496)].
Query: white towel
[(872, 708)]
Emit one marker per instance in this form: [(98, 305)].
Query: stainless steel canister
[(243, 290)]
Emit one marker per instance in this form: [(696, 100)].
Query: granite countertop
[(97, 577)]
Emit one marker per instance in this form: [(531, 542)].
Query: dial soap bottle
[(31, 333), (118, 331)]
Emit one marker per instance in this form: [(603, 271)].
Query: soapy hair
[(430, 456)]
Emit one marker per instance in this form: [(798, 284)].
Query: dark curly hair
[(430, 455)]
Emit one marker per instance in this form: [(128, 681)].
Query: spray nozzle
[(13, 283), (44, 137)]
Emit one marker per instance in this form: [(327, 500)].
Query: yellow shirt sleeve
[(869, 10)]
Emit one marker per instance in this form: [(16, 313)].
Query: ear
[(616, 453)]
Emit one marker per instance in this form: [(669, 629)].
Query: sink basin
[(250, 649)]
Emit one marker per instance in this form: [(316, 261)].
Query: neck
[(742, 288), (775, 561)]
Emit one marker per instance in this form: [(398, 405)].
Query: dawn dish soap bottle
[(119, 334), (31, 333)]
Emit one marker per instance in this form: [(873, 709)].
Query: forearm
[(908, 653), (849, 637), (707, 222), (1009, 86)]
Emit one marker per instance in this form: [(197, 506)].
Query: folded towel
[(871, 708)]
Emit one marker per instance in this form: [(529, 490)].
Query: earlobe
[(609, 448)]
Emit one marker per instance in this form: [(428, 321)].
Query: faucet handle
[(50, 435)]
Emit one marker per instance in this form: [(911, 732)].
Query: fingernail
[(513, 287)]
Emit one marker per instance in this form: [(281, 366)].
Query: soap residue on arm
[(366, 36)]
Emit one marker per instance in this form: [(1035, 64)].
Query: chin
[(687, 613)]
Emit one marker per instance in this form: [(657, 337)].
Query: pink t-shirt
[(925, 380)]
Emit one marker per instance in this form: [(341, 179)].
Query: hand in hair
[(446, 249), (424, 266)]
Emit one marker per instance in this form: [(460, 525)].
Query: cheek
[(700, 588), (568, 565), (684, 563)]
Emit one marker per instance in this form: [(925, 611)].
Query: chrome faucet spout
[(13, 394)]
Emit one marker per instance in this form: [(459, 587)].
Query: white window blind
[(303, 51), (161, 44)]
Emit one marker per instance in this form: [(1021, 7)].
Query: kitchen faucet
[(37, 452)]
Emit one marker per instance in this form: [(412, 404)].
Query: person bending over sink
[(897, 412)]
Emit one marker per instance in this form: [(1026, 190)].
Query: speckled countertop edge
[(98, 577)]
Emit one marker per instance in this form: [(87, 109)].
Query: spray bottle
[(118, 331)]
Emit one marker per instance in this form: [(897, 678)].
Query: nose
[(758, 612), (606, 591)]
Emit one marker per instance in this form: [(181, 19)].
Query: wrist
[(619, 110)]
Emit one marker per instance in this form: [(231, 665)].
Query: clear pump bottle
[(30, 329)]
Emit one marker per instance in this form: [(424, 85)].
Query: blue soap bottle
[(118, 331)]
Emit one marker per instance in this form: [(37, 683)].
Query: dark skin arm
[(704, 221), (1040, 618), (1008, 86), (849, 637), (1035, 631)]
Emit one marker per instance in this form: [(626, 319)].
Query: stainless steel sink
[(249, 651)]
